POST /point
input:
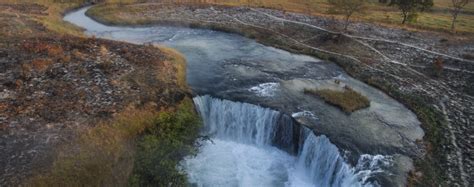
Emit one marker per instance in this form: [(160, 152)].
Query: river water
[(251, 145)]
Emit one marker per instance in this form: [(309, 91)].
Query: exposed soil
[(431, 73), (52, 86)]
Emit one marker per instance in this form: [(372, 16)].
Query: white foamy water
[(247, 149), (265, 89), (228, 163), (304, 113)]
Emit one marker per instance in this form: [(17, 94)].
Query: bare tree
[(458, 5), (347, 8), (410, 8)]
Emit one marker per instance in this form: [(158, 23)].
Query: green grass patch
[(348, 100), (139, 146), (160, 150)]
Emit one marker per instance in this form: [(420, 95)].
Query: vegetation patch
[(164, 145), (348, 100), (106, 154), (110, 14), (179, 62)]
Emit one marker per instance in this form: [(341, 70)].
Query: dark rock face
[(401, 63)]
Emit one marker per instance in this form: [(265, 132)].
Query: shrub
[(438, 66), (54, 50), (159, 152), (41, 65), (106, 156)]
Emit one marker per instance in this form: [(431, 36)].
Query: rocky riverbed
[(400, 64)]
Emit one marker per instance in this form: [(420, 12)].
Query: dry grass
[(41, 64), (348, 99), (179, 62), (105, 154), (90, 161), (110, 14), (54, 18), (439, 20), (448, 3)]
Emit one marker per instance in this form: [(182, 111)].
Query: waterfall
[(256, 146)]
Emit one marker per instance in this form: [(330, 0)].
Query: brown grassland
[(348, 100), (438, 18)]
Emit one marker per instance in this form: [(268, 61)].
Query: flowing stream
[(251, 145)]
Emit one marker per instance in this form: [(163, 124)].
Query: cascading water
[(255, 146)]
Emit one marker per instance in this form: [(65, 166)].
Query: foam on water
[(255, 146), (228, 163), (265, 89)]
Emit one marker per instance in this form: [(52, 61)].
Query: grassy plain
[(438, 18)]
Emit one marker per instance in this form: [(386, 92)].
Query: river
[(250, 99)]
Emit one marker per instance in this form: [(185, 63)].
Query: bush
[(106, 156), (412, 17), (160, 151), (438, 66)]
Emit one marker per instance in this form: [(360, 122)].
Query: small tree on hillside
[(458, 5), (347, 8), (410, 8)]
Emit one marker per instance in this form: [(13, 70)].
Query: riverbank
[(442, 101), (84, 111)]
